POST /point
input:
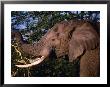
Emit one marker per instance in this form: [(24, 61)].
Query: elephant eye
[(53, 39), (57, 34)]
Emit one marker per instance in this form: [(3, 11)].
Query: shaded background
[(33, 25)]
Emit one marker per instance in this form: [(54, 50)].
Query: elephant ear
[(83, 38)]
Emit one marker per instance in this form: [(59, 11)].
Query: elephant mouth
[(36, 61)]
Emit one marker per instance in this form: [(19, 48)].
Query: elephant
[(78, 39)]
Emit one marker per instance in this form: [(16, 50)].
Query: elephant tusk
[(39, 60)]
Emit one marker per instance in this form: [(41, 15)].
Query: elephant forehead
[(62, 25)]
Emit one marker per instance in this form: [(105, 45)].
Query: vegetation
[(33, 25)]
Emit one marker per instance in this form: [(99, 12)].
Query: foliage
[(33, 25), (52, 67), (39, 22)]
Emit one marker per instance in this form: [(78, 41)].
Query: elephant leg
[(90, 64)]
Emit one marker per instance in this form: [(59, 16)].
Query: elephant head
[(73, 38)]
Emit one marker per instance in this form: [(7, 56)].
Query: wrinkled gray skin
[(75, 38)]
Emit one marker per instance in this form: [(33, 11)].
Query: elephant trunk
[(44, 53), (37, 49)]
